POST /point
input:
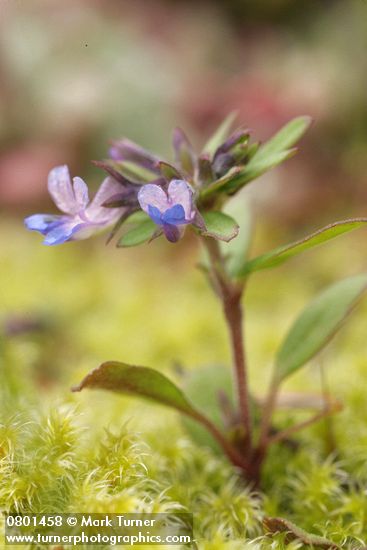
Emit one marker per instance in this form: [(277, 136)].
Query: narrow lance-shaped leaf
[(220, 226), (287, 136), (142, 381), (317, 324), (256, 167), (283, 253), (220, 134)]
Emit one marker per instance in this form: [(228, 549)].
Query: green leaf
[(211, 389), (285, 138), (317, 324), (150, 384), (236, 250), (283, 253), (141, 381), (256, 167), (204, 387), (220, 226), (139, 234), (252, 150), (220, 134)]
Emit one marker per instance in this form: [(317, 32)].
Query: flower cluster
[(190, 191)]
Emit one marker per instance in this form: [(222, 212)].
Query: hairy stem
[(230, 294)]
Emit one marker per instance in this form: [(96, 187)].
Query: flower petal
[(80, 192), (172, 232), (41, 222), (174, 215), (153, 195), (61, 190), (97, 213), (155, 215), (180, 192), (62, 232)]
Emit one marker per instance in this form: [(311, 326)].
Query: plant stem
[(297, 427), (233, 314), (230, 294), (229, 450)]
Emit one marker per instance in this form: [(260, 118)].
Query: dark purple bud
[(129, 151), (222, 163), (237, 137), (184, 153)]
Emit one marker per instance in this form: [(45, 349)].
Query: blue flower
[(171, 210), (81, 218)]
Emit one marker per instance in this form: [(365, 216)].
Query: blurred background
[(77, 73)]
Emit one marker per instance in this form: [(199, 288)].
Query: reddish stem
[(230, 294)]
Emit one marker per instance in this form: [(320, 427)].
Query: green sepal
[(169, 172), (142, 231)]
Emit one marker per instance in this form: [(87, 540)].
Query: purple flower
[(81, 218), (171, 210)]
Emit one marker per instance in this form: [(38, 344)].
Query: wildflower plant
[(145, 197)]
